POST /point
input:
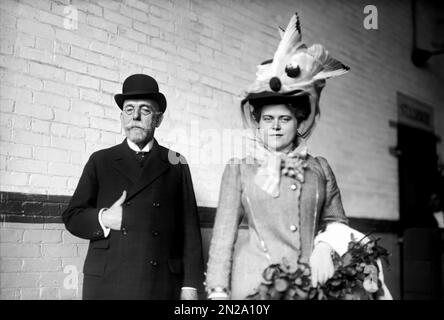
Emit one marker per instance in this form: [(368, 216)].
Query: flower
[(355, 278), (370, 285)]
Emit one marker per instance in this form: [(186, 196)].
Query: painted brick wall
[(40, 261), (58, 78)]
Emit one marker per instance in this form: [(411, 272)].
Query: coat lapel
[(124, 162), (156, 164)]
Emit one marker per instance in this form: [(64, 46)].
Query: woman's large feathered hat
[(295, 70)]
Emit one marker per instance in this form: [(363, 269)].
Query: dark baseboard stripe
[(35, 208), (207, 215), (32, 208)]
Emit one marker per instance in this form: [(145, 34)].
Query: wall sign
[(414, 113)]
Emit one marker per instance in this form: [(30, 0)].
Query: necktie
[(140, 155)]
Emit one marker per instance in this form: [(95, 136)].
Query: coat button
[(293, 187), (124, 231), (155, 233), (154, 263), (293, 228), (156, 204)]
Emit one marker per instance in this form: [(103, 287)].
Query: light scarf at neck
[(273, 164)]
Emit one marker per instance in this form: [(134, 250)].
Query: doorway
[(420, 248), (418, 172)]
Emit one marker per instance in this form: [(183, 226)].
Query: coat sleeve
[(192, 245), (332, 211), (81, 216), (228, 217)]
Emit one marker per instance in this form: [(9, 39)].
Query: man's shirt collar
[(136, 148)]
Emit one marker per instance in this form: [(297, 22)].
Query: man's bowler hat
[(141, 86)]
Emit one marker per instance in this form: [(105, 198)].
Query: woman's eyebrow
[(280, 116)]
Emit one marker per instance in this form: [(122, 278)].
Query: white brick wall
[(37, 260), (57, 85)]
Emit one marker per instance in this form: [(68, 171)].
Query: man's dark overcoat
[(158, 249)]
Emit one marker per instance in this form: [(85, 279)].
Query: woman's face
[(278, 127)]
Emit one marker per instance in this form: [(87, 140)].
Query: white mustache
[(134, 126)]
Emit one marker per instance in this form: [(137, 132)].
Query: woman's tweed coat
[(276, 228)]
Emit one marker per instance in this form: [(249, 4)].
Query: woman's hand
[(321, 264)]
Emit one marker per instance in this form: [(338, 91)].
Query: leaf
[(347, 259), (312, 294), (289, 295), (349, 296), (351, 272), (274, 294), (263, 289), (253, 296), (302, 294), (335, 294), (271, 272), (336, 283)]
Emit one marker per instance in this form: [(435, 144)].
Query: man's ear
[(159, 120), (122, 123)]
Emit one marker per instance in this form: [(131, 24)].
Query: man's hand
[(112, 217), (321, 264), (188, 294)]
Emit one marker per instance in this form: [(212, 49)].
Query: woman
[(285, 194)]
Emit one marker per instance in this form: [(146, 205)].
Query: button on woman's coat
[(276, 228)]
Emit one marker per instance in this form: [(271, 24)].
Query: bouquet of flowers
[(356, 277)]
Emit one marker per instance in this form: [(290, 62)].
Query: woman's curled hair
[(299, 106)]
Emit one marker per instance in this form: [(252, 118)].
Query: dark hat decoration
[(141, 86)]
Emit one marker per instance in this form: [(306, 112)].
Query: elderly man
[(138, 210)]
